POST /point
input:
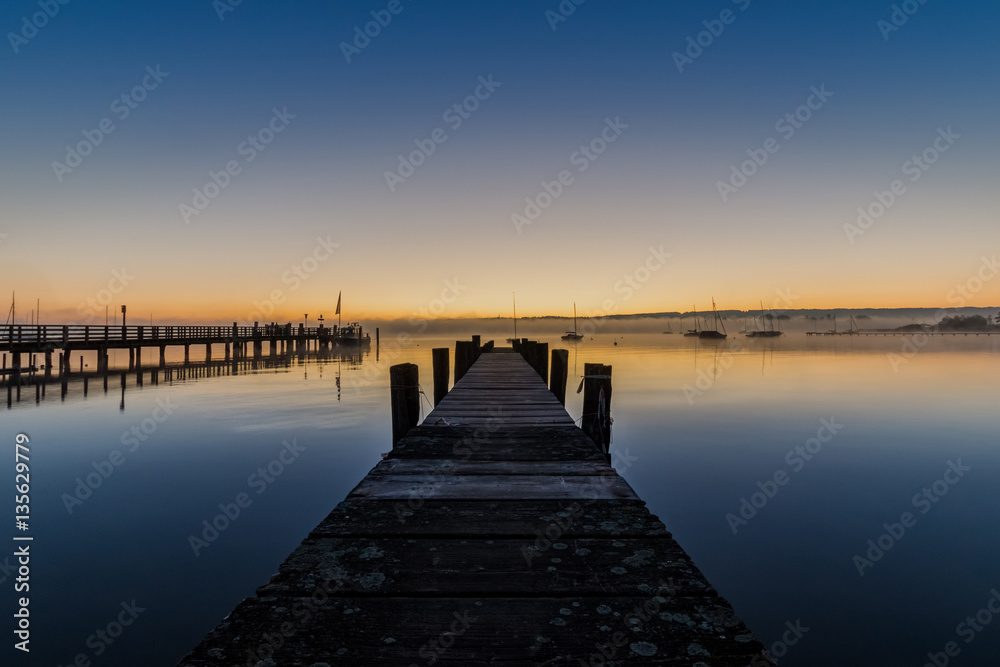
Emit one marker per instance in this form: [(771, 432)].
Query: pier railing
[(21, 334)]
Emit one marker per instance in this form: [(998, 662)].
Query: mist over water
[(773, 462)]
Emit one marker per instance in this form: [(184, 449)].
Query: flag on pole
[(338, 302)]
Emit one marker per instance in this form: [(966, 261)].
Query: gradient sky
[(401, 251)]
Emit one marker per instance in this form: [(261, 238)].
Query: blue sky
[(656, 185)]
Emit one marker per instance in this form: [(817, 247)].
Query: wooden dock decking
[(495, 533)]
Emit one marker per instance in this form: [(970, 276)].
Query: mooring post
[(477, 348), (463, 353), (560, 371), (530, 353), (441, 368), (543, 361), (404, 395), (596, 420)]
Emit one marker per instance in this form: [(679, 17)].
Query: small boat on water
[(717, 320), (762, 331), (351, 334), (573, 335), (696, 330), (514, 299)]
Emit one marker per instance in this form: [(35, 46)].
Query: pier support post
[(542, 360), (208, 353), (441, 368), (596, 420), (405, 399), (163, 356), (529, 350), (463, 358), (187, 353), (48, 364), (560, 373), (477, 348), (131, 359)]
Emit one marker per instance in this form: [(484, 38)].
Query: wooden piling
[(596, 420), (463, 358), (405, 398), (441, 368), (560, 373)]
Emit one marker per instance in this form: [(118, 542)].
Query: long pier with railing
[(239, 341)]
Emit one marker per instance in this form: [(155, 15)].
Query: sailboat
[(695, 331), (573, 335), (669, 329), (763, 331), (714, 333), (514, 299)]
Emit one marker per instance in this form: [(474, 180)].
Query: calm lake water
[(830, 442)]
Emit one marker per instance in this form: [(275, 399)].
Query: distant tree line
[(968, 323)]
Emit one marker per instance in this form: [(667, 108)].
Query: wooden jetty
[(494, 533), (240, 341)]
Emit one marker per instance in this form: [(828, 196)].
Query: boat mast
[(574, 317), (514, 298)]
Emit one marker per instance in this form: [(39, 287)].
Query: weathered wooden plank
[(647, 628), (520, 567), (396, 466), (511, 518), (475, 487)]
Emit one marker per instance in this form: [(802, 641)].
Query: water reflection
[(41, 387), (691, 455)]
